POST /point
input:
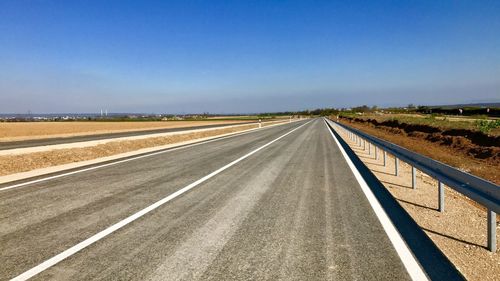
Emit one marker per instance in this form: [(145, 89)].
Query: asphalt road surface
[(60, 140), (292, 210)]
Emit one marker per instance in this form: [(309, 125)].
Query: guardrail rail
[(479, 190)]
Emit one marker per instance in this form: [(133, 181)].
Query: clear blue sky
[(245, 56)]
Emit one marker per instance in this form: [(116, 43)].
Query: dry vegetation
[(13, 131)]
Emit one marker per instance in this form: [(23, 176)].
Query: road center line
[(410, 263), (89, 241)]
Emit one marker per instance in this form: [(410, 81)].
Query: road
[(292, 210), (61, 140)]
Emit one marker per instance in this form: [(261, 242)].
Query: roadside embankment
[(470, 151)]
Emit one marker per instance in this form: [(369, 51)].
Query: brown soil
[(12, 131), (475, 137), (472, 152), (11, 164)]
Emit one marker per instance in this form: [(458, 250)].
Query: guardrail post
[(413, 177), (369, 148), (376, 155), (478, 185), (492, 231), (441, 197)]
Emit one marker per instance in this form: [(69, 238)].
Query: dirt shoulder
[(17, 131), (457, 151)]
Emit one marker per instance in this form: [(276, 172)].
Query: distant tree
[(363, 108)]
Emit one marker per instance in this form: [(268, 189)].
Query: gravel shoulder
[(459, 232)]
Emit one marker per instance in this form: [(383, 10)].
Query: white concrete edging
[(63, 167)]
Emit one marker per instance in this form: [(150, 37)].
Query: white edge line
[(148, 154), (96, 237), (410, 263)]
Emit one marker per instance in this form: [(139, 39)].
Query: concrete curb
[(63, 167)]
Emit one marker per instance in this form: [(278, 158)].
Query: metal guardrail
[(482, 191)]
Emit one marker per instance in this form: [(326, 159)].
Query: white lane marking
[(89, 241), (412, 266), (125, 160)]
